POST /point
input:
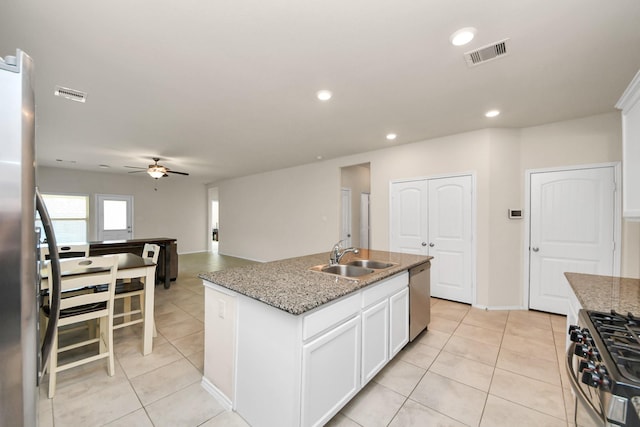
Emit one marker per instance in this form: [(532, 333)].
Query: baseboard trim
[(217, 394), (500, 307)]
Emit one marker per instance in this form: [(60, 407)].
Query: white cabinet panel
[(331, 372), (629, 103), (398, 321), (375, 340)]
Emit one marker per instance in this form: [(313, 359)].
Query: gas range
[(604, 367)]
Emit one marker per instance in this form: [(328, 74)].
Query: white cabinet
[(330, 366), (294, 371), (629, 103), (375, 339), (398, 321)]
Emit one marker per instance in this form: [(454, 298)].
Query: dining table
[(130, 266)]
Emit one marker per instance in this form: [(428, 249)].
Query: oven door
[(587, 406)]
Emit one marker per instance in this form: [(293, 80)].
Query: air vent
[(72, 94), (487, 53)]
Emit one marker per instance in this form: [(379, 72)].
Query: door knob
[(424, 243), (431, 245), (535, 249)]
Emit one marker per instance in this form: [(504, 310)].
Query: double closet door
[(434, 217)]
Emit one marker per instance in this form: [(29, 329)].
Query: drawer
[(329, 316), (384, 288)]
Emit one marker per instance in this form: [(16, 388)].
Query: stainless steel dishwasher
[(419, 299)]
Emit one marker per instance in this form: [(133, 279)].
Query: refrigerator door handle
[(54, 285)]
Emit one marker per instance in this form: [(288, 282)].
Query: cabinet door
[(375, 339), (398, 321), (330, 372)]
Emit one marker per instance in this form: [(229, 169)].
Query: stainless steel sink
[(369, 263), (347, 270)]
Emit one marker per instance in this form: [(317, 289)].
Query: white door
[(449, 238), (571, 230), (408, 217), (115, 217), (434, 217), (345, 230), (364, 221)]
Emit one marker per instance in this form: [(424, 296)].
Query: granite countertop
[(290, 286), (606, 293)]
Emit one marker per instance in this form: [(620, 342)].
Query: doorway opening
[(355, 188), (213, 231)]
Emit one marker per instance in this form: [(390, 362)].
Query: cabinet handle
[(431, 245), (535, 249), (424, 243)]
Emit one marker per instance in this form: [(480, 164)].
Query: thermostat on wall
[(515, 213)]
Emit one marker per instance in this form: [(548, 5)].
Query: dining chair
[(81, 273), (135, 287), (66, 251)]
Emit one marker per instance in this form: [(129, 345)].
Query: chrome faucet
[(338, 252)]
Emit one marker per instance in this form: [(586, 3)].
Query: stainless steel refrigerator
[(24, 349)]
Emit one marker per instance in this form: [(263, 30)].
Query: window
[(69, 215)]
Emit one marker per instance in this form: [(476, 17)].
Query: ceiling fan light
[(155, 173)]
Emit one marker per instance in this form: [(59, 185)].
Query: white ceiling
[(225, 88)]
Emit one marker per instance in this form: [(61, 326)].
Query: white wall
[(295, 211), (178, 209)]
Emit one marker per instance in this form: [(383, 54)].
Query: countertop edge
[(290, 286)]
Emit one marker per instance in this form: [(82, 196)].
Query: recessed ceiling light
[(492, 113), (391, 136), (462, 36), (318, 157), (324, 95)]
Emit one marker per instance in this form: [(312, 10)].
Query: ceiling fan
[(155, 170)]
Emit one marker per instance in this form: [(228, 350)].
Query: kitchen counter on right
[(606, 293)]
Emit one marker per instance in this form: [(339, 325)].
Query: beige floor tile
[(163, 381), (502, 413), (529, 365), (400, 376), (530, 332), (85, 380), (433, 338), (104, 406), (473, 350), (341, 420), (443, 325), (181, 328), (165, 320), (190, 406), (519, 344), (227, 419), (495, 320), (374, 406), (445, 396), (530, 318), (138, 418), (559, 323), (419, 354), (45, 414), (197, 360), (136, 364), (190, 344), (482, 335), (469, 372), (447, 311), (413, 414), (528, 392)]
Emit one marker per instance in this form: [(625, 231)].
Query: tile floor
[(471, 368)]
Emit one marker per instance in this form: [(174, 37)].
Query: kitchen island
[(288, 346)]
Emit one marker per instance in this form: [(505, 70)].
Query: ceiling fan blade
[(176, 172), (143, 170), (135, 167)]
